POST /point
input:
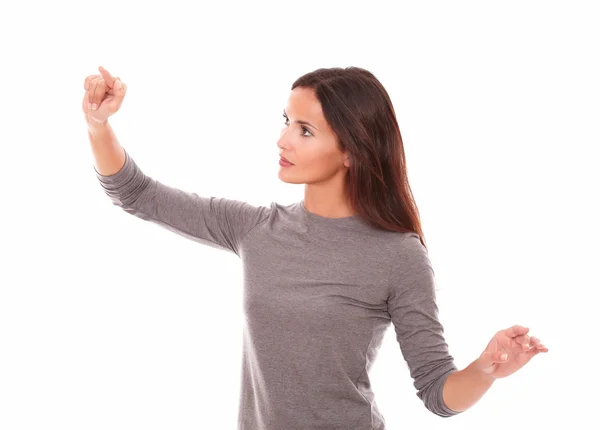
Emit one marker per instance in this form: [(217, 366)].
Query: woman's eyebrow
[(302, 122)]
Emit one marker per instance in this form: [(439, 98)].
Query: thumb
[(488, 359)]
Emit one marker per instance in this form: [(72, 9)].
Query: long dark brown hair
[(359, 110)]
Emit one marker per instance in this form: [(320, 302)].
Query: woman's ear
[(347, 161)]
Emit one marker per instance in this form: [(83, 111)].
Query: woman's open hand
[(508, 351)]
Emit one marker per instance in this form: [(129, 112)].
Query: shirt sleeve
[(412, 307), (217, 222)]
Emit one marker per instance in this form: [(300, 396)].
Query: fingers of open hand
[(537, 344), (516, 330), (519, 334), (529, 342), (523, 340)]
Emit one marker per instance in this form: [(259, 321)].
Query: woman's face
[(311, 146)]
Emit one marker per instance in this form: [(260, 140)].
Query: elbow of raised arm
[(126, 186), (432, 397)]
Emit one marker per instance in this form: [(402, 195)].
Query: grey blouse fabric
[(318, 296)]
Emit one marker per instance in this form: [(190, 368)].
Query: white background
[(111, 322)]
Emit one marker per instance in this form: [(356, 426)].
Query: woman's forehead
[(305, 107)]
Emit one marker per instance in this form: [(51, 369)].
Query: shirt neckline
[(319, 218), (321, 224)]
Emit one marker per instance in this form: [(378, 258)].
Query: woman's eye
[(306, 130)]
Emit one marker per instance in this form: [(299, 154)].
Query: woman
[(323, 277)]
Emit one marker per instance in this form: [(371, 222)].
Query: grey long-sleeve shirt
[(318, 296)]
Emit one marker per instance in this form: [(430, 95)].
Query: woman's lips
[(283, 162)]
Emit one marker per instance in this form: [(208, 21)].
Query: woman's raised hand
[(103, 96)]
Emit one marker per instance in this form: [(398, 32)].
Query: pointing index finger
[(108, 78)]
